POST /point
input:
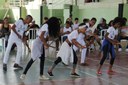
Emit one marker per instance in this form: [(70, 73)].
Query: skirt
[(37, 49), (66, 53)]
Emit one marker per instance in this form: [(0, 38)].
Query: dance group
[(67, 52)]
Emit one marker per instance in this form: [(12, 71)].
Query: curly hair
[(53, 27)]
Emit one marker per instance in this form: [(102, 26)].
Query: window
[(88, 1)]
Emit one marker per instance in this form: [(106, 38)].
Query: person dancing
[(66, 52), (50, 29), (16, 37), (108, 45)]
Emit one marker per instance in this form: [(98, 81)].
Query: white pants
[(83, 51), (18, 43)]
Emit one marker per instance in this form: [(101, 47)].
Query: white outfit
[(125, 31), (13, 38), (66, 51), (90, 31), (67, 29), (37, 49), (75, 26), (80, 39), (112, 32)]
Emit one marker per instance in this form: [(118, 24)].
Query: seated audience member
[(70, 21), (66, 30), (123, 35), (90, 30), (84, 22), (5, 30), (75, 24), (101, 26)]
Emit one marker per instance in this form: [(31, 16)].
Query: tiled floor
[(62, 73)]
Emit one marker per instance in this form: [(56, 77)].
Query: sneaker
[(111, 72), (120, 49), (5, 67), (50, 73), (17, 66), (44, 77), (75, 75), (22, 76), (84, 64), (126, 50), (99, 73)]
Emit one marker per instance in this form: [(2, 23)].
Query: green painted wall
[(10, 14), (2, 2), (98, 12), (23, 12), (45, 11), (75, 12), (58, 13), (2, 13), (125, 13)]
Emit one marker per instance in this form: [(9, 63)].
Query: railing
[(18, 2)]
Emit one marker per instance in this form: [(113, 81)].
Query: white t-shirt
[(80, 36), (20, 28), (75, 26), (67, 29), (89, 30), (112, 32), (73, 35), (43, 28), (125, 31)]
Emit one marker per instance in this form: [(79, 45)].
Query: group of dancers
[(67, 51)]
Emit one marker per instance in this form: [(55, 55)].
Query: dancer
[(16, 37), (50, 29), (108, 45), (81, 40), (66, 52)]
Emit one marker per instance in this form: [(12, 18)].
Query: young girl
[(66, 30), (108, 45), (66, 52), (5, 30), (51, 29)]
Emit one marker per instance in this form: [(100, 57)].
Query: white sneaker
[(44, 77), (120, 49), (126, 50), (22, 76)]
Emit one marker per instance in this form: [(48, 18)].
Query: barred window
[(89, 1)]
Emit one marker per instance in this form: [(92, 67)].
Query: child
[(66, 51), (66, 30), (51, 29), (108, 45)]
